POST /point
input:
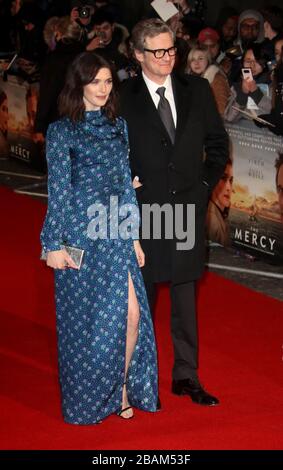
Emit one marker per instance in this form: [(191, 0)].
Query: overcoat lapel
[(182, 96)]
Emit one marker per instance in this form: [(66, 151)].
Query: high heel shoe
[(123, 410)]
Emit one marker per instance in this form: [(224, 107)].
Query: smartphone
[(247, 74)]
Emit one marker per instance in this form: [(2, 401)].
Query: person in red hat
[(211, 39)]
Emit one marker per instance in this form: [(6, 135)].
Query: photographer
[(82, 13), (108, 39)]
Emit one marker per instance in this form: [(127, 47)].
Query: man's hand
[(136, 182), (95, 43)]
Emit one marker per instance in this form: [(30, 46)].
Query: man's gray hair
[(148, 28)]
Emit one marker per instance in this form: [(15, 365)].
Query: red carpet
[(240, 361)]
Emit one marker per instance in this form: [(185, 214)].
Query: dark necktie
[(165, 113)]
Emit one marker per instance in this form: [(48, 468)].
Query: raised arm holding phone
[(252, 92)]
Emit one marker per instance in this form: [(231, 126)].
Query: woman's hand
[(248, 86), (60, 259), (139, 253)]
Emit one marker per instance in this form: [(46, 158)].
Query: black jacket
[(175, 174)]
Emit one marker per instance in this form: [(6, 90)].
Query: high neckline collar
[(95, 116), (93, 113)]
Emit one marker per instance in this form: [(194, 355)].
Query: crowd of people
[(118, 109), (247, 40)]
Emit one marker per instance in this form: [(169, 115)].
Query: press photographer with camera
[(107, 40), (82, 12)]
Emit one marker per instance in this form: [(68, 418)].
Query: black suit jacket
[(179, 173)]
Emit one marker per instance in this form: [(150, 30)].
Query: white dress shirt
[(152, 87)]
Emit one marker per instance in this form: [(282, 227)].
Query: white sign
[(164, 9)]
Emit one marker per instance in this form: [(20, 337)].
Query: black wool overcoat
[(181, 173)]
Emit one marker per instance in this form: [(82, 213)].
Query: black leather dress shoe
[(195, 391)]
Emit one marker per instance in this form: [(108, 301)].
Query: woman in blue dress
[(106, 346)]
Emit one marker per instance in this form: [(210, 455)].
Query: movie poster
[(20, 103), (255, 216)]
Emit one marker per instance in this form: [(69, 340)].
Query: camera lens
[(84, 12)]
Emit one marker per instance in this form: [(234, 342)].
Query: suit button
[(164, 143), (171, 166), (173, 191)]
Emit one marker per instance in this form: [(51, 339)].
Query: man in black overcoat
[(178, 152)]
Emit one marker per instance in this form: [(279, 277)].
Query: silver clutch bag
[(75, 253)]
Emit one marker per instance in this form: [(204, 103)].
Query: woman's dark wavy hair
[(81, 72)]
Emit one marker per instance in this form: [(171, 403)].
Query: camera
[(84, 12)]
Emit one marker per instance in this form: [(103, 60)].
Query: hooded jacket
[(256, 16)]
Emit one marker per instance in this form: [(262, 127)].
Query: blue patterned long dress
[(88, 163)]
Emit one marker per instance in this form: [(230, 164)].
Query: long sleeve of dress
[(129, 195), (59, 186)]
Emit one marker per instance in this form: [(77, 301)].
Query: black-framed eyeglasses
[(159, 53)]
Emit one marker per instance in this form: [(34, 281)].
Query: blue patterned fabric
[(88, 162)]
